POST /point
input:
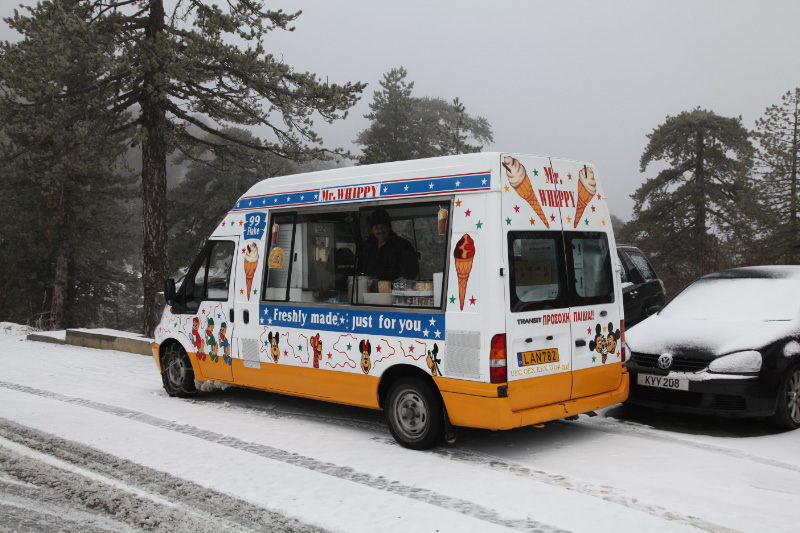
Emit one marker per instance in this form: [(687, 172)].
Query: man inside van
[(385, 254)]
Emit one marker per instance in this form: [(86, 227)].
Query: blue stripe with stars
[(357, 322), (389, 189), (440, 185)]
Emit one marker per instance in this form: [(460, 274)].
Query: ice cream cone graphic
[(463, 255), (518, 178), (250, 264), (587, 187)]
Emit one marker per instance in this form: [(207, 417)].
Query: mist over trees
[(154, 72)]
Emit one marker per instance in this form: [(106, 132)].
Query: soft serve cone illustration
[(250, 264), (518, 178), (587, 187), (464, 254)]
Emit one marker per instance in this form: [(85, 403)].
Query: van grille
[(463, 356)]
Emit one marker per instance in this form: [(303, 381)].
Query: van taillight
[(622, 338), (497, 359)]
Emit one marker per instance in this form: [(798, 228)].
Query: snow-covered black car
[(642, 290), (728, 344)]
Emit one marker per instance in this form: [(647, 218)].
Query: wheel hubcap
[(176, 372), (412, 414), (793, 396)]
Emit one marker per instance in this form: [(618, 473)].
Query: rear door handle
[(580, 342)]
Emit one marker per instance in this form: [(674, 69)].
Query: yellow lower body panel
[(329, 385), (477, 405)]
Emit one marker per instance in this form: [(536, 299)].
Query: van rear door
[(595, 296), (538, 338)]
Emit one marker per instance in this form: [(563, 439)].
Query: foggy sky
[(584, 80)]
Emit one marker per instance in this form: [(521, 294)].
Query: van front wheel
[(414, 413), (176, 372)]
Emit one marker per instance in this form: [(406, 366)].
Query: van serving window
[(386, 255)]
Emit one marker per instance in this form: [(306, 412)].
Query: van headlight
[(737, 363)]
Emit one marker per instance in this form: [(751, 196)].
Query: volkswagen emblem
[(665, 361)]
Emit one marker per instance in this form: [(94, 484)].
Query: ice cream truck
[(478, 290)]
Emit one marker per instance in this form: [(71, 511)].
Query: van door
[(209, 297), (538, 339), (595, 297)]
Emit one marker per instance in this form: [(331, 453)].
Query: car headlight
[(737, 363)]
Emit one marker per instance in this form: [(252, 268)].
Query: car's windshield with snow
[(739, 299)]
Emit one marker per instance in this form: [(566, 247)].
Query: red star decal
[(592, 209), (285, 352), (411, 348), (472, 301), (244, 250), (378, 349), (569, 176), (223, 223), (532, 221), (330, 356), (516, 209), (599, 197), (588, 331), (458, 203), (241, 291), (468, 212), (552, 218), (241, 222)]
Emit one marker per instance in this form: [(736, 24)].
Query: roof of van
[(479, 161)]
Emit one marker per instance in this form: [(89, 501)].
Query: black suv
[(642, 291)]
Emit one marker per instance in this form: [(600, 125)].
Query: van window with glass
[(591, 278), (211, 280), (391, 255), (536, 271)]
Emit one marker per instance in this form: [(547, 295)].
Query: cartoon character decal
[(224, 343), (197, 341), (365, 350), (434, 361), (316, 343), (274, 351), (605, 344), (211, 341)]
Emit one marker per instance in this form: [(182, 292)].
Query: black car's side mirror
[(169, 291), (654, 309)]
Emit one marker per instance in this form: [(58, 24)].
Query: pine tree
[(404, 127), (169, 68), (686, 213), (59, 155), (777, 134)]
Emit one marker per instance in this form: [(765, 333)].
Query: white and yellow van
[(512, 315)]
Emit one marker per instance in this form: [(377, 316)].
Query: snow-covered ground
[(89, 441)]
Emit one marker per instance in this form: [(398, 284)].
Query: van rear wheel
[(415, 414), (176, 372)]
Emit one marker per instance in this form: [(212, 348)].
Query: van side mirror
[(169, 291)]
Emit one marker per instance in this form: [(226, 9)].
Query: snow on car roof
[(769, 271)]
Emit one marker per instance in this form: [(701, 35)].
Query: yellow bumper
[(478, 405)]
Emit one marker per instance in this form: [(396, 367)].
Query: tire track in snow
[(53, 484), (606, 493), (612, 426), (448, 503)]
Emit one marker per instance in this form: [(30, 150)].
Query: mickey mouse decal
[(273, 345), (605, 344), (365, 350)]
